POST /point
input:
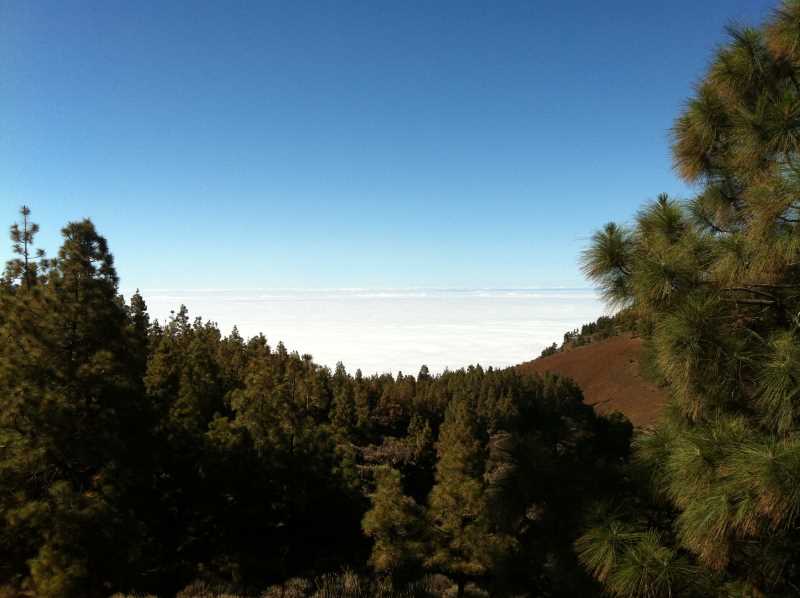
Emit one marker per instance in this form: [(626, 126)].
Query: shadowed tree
[(395, 525), (464, 543), (70, 407)]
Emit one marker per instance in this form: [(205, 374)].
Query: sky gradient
[(346, 144)]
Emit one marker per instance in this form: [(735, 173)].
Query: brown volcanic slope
[(608, 373)]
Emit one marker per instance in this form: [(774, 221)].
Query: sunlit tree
[(716, 284)]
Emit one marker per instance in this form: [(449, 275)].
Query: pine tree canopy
[(715, 282)]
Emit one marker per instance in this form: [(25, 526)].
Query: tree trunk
[(461, 583)]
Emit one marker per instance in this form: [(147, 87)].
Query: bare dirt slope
[(608, 372)]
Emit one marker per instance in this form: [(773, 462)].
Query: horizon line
[(360, 289)]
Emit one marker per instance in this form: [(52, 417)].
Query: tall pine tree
[(69, 403), (716, 284), (464, 542)]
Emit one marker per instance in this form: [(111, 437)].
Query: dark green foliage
[(517, 457), (714, 499), (465, 544), (72, 413), (604, 327), (395, 525), (29, 264), (551, 350), (141, 456)]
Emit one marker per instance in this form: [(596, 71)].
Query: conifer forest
[(141, 457)]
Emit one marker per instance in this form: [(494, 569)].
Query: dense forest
[(167, 458), (144, 456)]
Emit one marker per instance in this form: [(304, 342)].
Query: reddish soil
[(608, 373)]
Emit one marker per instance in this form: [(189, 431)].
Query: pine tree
[(464, 543), (344, 419), (25, 268), (66, 389), (395, 524), (715, 283), (184, 376), (139, 330)]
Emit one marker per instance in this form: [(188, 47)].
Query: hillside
[(609, 374)]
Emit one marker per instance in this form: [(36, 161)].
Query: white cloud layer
[(392, 330)]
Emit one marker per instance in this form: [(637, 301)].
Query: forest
[(140, 457), (146, 456)]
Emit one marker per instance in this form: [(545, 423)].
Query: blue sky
[(346, 144)]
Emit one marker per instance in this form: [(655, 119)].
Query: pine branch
[(753, 291), (751, 301)]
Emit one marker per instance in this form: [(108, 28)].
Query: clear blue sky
[(340, 144)]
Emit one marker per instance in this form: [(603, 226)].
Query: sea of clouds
[(394, 330)]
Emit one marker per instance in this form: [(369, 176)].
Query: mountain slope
[(609, 374)]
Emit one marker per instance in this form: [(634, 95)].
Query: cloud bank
[(394, 330)]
